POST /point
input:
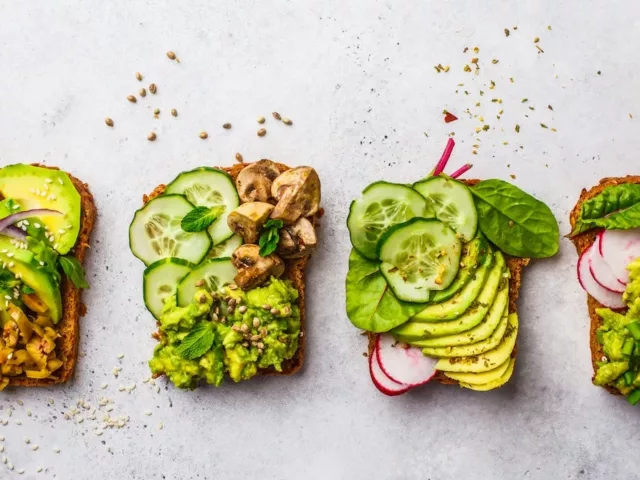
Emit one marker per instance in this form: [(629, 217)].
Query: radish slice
[(601, 271), (408, 366), (593, 288), (381, 381), (619, 248)]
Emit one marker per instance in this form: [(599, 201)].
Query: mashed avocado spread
[(619, 336), (252, 330)]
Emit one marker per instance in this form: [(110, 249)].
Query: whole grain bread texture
[(72, 306), (294, 272), (516, 266), (582, 242)]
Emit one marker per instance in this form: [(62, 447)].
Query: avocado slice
[(473, 349), (480, 378), (37, 187), (488, 360), (459, 303), (474, 254), (478, 333), (19, 262), (499, 382)]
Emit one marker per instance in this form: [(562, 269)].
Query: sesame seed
[(10, 254), (35, 447), (37, 225), (16, 207), (11, 264), (103, 386), (160, 426), (39, 469), (148, 413), (121, 355), (56, 449), (21, 471), (27, 440), (60, 181)]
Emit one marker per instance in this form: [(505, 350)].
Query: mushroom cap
[(297, 240), (253, 183), (298, 194), (254, 270), (248, 218)]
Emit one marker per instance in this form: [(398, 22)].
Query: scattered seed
[(467, 68), (200, 283), (543, 125), (138, 76), (550, 107), (151, 137), (446, 68), (171, 55), (517, 128), (239, 158), (506, 32), (261, 119), (226, 126), (287, 121), (494, 61), (536, 40), (121, 356), (204, 135), (276, 115), (262, 132), (148, 413), (153, 88), (256, 322), (548, 27), (143, 92), (131, 98), (174, 112), (109, 122)]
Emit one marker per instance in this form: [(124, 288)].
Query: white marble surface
[(357, 79)]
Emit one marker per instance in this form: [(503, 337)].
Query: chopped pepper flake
[(550, 107), (548, 27), (543, 125), (467, 68), (449, 117), (474, 60), (524, 100), (494, 61), (486, 127), (517, 128), (466, 49), (536, 40), (506, 32), (511, 79), (476, 50), (539, 49)]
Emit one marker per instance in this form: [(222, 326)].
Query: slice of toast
[(584, 241), (72, 306), (516, 265), (294, 271)]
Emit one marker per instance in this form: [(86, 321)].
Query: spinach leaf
[(514, 221), (197, 342), (617, 207), (370, 304)]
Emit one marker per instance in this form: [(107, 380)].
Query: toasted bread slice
[(72, 306), (516, 265), (584, 241), (294, 271)]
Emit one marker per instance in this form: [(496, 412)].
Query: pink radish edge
[(601, 270), (383, 383), (588, 283), (619, 248), (446, 155), (417, 368)]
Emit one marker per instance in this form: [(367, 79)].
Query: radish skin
[(619, 248), (601, 271), (408, 366), (602, 295), (381, 381)]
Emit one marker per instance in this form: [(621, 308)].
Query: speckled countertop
[(358, 80)]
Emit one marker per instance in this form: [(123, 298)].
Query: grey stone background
[(357, 79)]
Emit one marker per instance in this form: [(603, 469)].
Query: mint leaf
[(198, 342), (269, 237), (74, 271), (200, 218)]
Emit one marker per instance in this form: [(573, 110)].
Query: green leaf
[(26, 289), (200, 218), (514, 221), (617, 207), (74, 271), (45, 256), (198, 342), (371, 305), (269, 237)]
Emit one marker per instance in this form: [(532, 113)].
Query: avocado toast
[(435, 274), (605, 231), (254, 296), (51, 216)]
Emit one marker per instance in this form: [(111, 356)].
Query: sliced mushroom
[(297, 240), (254, 182), (248, 218), (254, 270), (298, 194)]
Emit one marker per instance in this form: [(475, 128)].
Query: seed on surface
[(262, 132), (151, 137), (153, 88), (242, 309), (174, 112), (266, 306), (226, 126), (200, 283), (138, 76), (244, 328), (260, 345), (276, 115), (109, 122), (132, 99), (256, 322), (261, 119), (287, 121), (171, 55), (275, 311), (202, 299), (536, 40), (239, 158), (143, 92), (204, 135)]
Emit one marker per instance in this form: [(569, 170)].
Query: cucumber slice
[(226, 248), (426, 254), (209, 187), (381, 206), (452, 202), (408, 292), (160, 280), (216, 273), (155, 232)]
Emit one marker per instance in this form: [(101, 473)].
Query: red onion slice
[(14, 232), (16, 217)]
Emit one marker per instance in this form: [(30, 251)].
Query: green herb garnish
[(269, 237), (200, 218), (198, 342), (74, 271)]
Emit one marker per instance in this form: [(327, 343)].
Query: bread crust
[(72, 306), (515, 265), (295, 270), (582, 242)]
